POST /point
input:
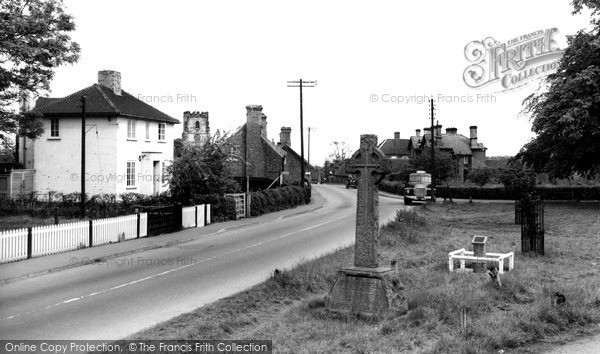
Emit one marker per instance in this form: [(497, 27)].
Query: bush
[(271, 200)]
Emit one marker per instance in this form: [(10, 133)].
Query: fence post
[(138, 225), (91, 234), (205, 217), (29, 242)]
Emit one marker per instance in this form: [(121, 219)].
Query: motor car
[(351, 182)]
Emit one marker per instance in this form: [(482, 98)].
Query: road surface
[(122, 296)]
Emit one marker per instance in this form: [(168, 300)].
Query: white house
[(128, 142)]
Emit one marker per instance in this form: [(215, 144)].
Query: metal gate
[(532, 226), (240, 204)]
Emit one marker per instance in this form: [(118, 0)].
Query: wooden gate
[(163, 220), (240, 204)]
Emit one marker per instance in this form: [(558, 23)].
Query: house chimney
[(451, 131), (396, 135), (26, 101), (285, 136), (110, 79), (438, 135), (263, 126), (473, 138), (418, 132)]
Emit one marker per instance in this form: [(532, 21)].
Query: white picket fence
[(13, 245), (188, 217), (113, 230), (193, 216), (200, 215), (51, 239)]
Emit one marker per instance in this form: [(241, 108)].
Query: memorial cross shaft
[(368, 164)]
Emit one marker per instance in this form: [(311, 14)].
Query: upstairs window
[(130, 129), (161, 131), (147, 130), (54, 128)]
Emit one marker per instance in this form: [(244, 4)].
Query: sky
[(368, 60)]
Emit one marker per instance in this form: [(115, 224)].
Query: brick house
[(469, 152), (253, 155), (293, 160), (128, 142)]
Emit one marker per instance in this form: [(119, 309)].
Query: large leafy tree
[(34, 41), (566, 117), (201, 170)]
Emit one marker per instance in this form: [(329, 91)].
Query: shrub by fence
[(271, 200), (573, 193)]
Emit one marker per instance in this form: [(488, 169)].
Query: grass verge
[(289, 308)]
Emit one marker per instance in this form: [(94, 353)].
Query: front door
[(156, 177)]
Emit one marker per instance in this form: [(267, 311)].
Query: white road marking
[(177, 269)]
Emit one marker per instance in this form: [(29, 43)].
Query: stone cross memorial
[(361, 288)]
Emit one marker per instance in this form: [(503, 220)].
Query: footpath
[(29, 268)]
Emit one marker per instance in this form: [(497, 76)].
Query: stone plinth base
[(361, 291)]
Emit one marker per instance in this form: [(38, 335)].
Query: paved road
[(124, 295)]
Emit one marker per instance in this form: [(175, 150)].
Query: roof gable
[(101, 101), (395, 147)]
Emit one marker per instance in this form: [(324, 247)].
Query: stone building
[(468, 151)]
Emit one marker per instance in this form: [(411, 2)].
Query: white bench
[(462, 255)]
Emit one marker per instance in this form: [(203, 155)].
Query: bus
[(418, 187)]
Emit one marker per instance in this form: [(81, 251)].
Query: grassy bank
[(289, 308)]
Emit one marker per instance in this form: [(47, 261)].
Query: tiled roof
[(458, 143), (394, 146), (275, 148), (101, 101)]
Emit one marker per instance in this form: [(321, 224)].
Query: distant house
[(468, 151), (397, 151), (293, 160), (128, 142)]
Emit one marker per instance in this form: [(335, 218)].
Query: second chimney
[(110, 79), (473, 137), (396, 135), (285, 136), (418, 132)]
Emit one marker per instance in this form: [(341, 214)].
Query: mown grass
[(289, 308)]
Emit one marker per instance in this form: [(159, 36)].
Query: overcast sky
[(224, 55)]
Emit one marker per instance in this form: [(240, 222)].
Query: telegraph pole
[(82, 177), (309, 130), (432, 111), (301, 83)]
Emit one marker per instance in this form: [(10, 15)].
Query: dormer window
[(197, 125)]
